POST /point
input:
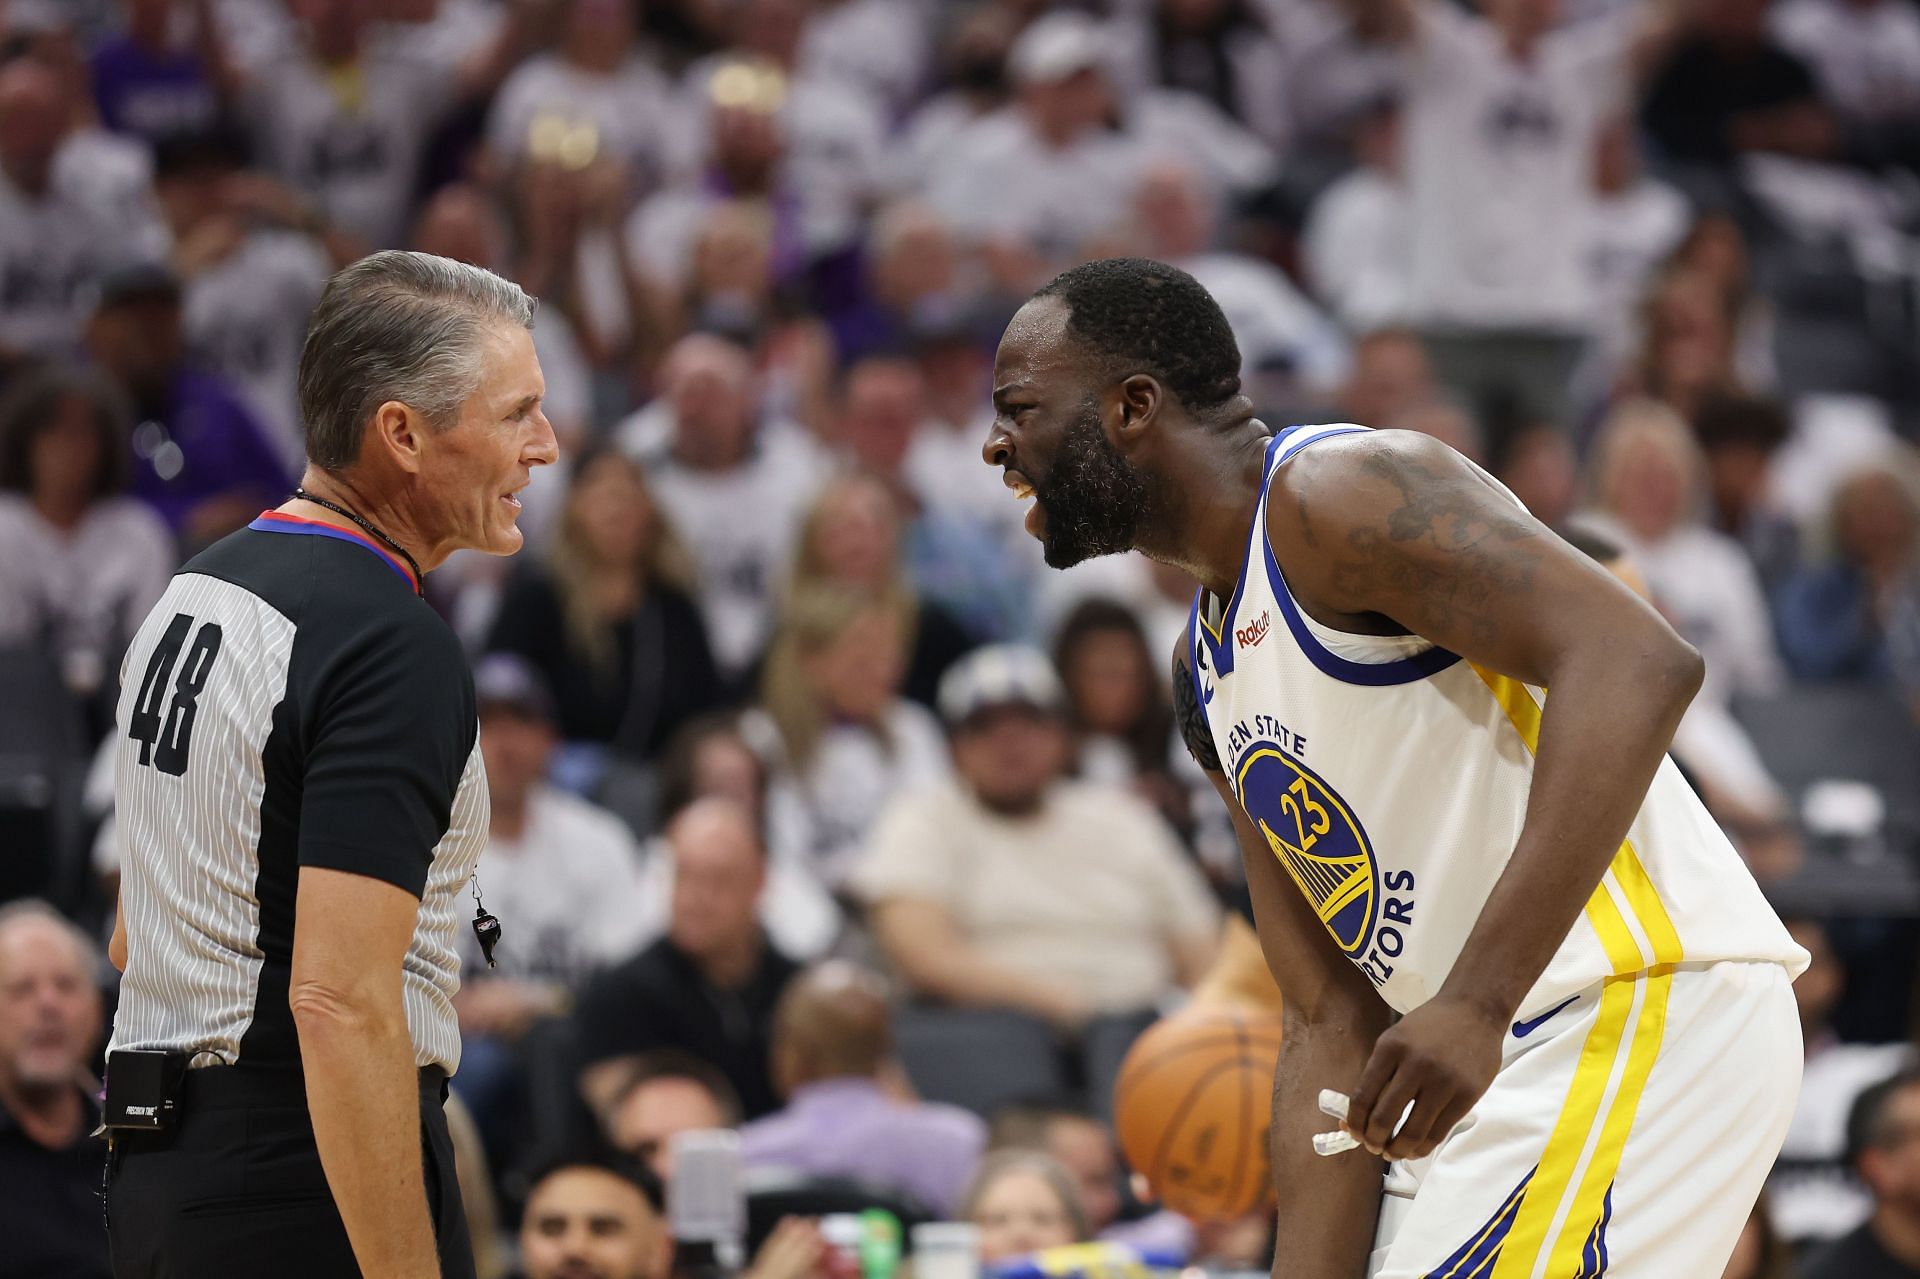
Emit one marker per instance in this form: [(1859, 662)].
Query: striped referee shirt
[(289, 702)]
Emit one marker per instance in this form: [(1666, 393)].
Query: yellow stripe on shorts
[(1587, 1092)]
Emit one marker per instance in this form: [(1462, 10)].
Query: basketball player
[(1595, 1051)]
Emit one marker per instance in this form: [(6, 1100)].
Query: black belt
[(242, 1087)]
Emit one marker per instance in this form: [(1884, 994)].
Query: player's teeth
[(1023, 491)]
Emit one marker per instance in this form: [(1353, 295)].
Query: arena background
[(1659, 275)]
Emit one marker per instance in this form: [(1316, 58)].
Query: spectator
[(975, 60), (847, 739), (343, 111), (1118, 704), (1728, 89), (1082, 1144), (733, 486), (609, 620), (595, 96), (1687, 343), (1865, 56), (51, 1164), (1355, 245), (1883, 1142), (1815, 1193), (832, 1046), (1391, 376), (1741, 437), (601, 1218), (1637, 221), (1446, 421), (1502, 115), (710, 985), (852, 538), (564, 872), (1857, 615), (1648, 491), (1059, 124), (1023, 1202), (1220, 51), (1537, 464), (55, 243), (1015, 889), (956, 551), (917, 286), (80, 564), (201, 458), (658, 1095), (730, 289), (248, 287), (149, 82), (1290, 352)]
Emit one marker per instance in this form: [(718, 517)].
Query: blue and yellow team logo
[(1316, 837)]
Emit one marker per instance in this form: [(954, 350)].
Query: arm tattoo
[(1486, 552), (1193, 719)]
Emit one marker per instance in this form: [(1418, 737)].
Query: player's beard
[(1093, 497)]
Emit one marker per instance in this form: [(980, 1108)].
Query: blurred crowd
[(820, 806)]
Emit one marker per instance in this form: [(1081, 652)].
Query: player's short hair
[(1157, 319), (1868, 1126), (397, 326)]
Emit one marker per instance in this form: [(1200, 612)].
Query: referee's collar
[(281, 522)]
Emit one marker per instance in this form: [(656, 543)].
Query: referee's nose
[(544, 448)]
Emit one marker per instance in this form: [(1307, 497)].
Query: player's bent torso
[(1390, 780)]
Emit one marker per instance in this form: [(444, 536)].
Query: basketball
[(1191, 1106)]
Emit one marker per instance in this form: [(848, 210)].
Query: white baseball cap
[(1000, 675), (1057, 46)]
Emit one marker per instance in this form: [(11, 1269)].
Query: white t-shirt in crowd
[(852, 777), (1630, 235), (987, 185), (352, 141), (632, 111), (86, 589), (738, 524), (1812, 1193), (1356, 250), (1865, 56), (53, 250), (1707, 587), (1328, 73), (1274, 325), (1089, 894), (920, 148), (879, 45), (1499, 164), (568, 893), (246, 320)]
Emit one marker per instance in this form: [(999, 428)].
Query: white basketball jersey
[(1390, 779)]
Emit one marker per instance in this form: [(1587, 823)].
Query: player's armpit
[(1393, 530)]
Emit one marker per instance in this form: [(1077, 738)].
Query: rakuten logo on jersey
[(1251, 634)]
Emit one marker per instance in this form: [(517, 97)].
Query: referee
[(301, 803)]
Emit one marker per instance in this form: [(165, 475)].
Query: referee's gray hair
[(397, 326), (34, 908)]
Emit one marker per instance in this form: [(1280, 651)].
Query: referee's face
[(472, 473)]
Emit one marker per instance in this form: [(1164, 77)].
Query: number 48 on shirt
[(162, 721)]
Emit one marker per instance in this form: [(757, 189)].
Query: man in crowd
[(49, 1161), (594, 1217), (710, 985), (1883, 1136), (660, 1095), (1015, 890), (832, 1045), (565, 872)]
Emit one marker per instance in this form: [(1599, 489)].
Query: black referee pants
[(234, 1190)]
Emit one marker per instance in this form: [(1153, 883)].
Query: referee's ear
[(396, 435)]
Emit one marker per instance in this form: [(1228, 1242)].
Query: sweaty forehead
[(1036, 350)]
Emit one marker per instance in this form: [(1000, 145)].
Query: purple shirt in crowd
[(852, 1128), (203, 444)]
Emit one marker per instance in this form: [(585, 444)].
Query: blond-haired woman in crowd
[(609, 619), (830, 696)]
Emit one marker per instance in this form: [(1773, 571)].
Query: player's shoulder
[(1343, 466)]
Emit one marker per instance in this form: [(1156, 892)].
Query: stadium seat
[(978, 1058)]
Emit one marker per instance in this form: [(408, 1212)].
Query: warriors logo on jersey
[(1316, 837)]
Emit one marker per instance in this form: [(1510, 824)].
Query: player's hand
[(1440, 1057)]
